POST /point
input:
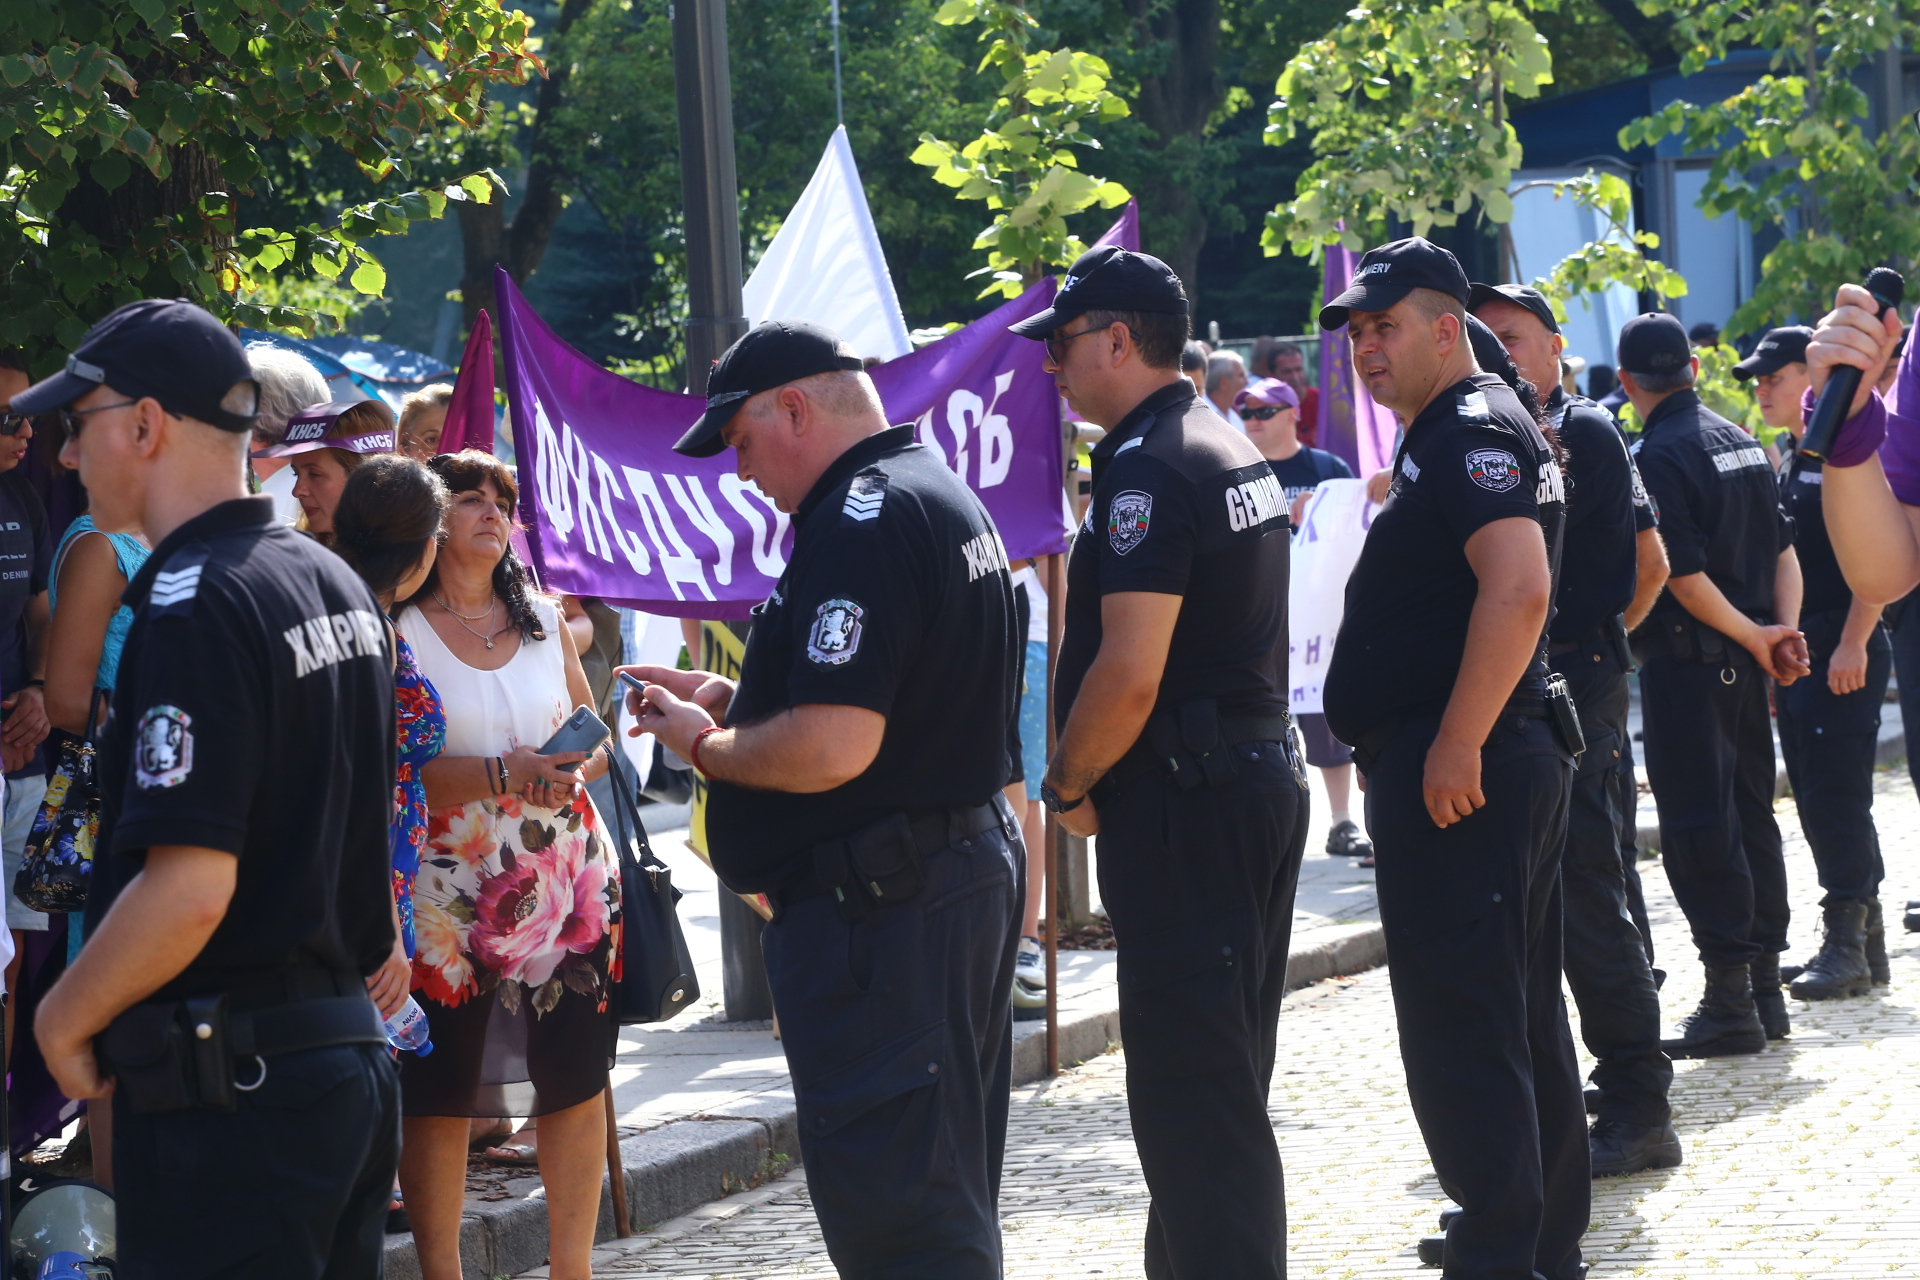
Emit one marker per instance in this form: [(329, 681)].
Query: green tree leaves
[(1023, 164)]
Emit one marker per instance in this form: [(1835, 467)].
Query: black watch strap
[(1051, 799)]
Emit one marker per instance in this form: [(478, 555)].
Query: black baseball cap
[(1783, 346), (771, 354), (1109, 279), (1654, 343), (1520, 296), (1390, 272), (167, 348), (1491, 354)]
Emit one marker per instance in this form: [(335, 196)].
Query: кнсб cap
[(1390, 272), (1109, 279), (771, 354), (1520, 296), (1653, 343), (313, 428), (1783, 346), (166, 348)]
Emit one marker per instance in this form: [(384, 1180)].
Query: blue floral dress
[(422, 727)]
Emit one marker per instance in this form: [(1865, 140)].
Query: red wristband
[(693, 753)]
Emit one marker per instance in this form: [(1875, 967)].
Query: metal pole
[(1050, 889), (703, 92), (616, 1170), (839, 107)]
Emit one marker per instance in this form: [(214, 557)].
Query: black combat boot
[(1724, 1023), (1617, 1147), (1840, 969), (1877, 964), (1769, 1001)]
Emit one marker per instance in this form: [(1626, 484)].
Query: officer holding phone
[(855, 776)]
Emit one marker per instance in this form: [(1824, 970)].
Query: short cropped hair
[(1660, 384), (1432, 304), (1158, 336), (1193, 357), (1220, 365)]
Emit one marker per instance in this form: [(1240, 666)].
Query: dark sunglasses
[(1057, 347), (10, 423), (71, 420), (1265, 411)]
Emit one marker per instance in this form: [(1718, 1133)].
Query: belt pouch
[(146, 1050), (1622, 647), (835, 870), (1163, 733), (1200, 733), (209, 1040), (1566, 717), (1680, 637), (887, 860), (1713, 645)]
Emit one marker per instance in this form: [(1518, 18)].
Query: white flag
[(825, 264)]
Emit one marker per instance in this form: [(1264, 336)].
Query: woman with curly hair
[(517, 900)]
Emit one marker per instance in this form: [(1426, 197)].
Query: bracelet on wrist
[(693, 754)]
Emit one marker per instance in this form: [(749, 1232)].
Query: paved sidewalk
[(1803, 1161)]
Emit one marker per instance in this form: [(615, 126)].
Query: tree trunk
[(1175, 104), (486, 236), (135, 213)]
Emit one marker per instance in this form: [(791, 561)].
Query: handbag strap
[(93, 714), (626, 814)]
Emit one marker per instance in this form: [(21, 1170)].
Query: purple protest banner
[(612, 511), (1351, 424)]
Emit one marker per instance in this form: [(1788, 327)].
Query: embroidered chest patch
[(1493, 469), (835, 637), (1128, 518)]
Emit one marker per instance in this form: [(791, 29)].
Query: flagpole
[(839, 107)]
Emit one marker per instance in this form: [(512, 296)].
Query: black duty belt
[(1530, 704), (1185, 751), (880, 864)]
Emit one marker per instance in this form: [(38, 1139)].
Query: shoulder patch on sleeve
[(1127, 519), (1474, 410), (175, 586), (163, 748), (1134, 443), (1493, 469), (864, 498), (835, 637)]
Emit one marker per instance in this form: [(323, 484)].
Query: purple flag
[(612, 511), (1351, 424), (1125, 231)]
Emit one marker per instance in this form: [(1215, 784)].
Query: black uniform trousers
[(899, 1034), (294, 1185), (1199, 886), (1472, 916), (1626, 789), (1606, 961), (1709, 743), (1828, 741)]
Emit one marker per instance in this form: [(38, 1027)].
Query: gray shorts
[(1324, 751), (16, 824)]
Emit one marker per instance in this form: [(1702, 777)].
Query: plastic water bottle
[(407, 1029)]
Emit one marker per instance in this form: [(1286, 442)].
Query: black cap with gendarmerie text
[(166, 348), (1781, 347), (1390, 272), (1109, 278), (771, 354), (1653, 343)]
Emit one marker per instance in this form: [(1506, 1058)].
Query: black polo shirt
[(1607, 507), (1184, 505), (1471, 457), (254, 715), (898, 600), (1718, 502), (1825, 587)]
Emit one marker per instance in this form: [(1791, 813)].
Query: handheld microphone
[(1888, 288)]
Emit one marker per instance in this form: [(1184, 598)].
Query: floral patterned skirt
[(517, 950)]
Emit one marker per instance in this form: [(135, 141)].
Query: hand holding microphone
[(1854, 340)]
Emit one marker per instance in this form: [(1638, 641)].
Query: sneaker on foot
[(1030, 964), (1347, 841)]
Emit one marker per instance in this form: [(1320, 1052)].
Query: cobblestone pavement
[(1803, 1161)]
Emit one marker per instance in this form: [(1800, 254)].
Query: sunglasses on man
[(1260, 413), (1057, 347)]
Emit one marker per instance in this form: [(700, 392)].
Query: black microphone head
[(1887, 285)]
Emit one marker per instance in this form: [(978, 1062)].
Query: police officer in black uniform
[(1439, 679), (1830, 721), (857, 783), (1170, 697), (240, 896), (1725, 626), (1612, 567)]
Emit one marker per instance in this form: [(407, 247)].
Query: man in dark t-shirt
[(240, 896), (1439, 680)]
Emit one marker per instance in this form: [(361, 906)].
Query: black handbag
[(656, 980)]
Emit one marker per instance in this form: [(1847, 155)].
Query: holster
[(172, 1057), (876, 866), (1616, 628)]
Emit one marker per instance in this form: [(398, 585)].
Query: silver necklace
[(492, 600), (462, 620)]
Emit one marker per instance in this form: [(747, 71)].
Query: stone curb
[(681, 1166)]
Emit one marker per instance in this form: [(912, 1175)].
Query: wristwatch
[(1051, 798)]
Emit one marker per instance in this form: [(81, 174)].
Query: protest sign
[(612, 511), (1332, 528)]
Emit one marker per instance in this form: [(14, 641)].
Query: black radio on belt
[(1565, 716), (876, 866)]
